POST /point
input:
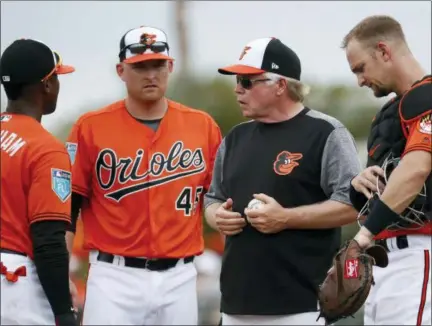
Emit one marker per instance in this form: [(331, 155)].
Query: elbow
[(422, 173)]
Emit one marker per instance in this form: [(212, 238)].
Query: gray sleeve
[(216, 193), (340, 163)]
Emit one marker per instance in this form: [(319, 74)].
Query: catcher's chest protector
[(389, 129), (386, 135)]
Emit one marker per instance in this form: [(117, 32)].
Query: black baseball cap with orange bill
[(28, 61)]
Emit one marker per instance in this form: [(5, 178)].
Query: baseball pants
[(23, 302), (308, 318), (402, 291), (119, 295)]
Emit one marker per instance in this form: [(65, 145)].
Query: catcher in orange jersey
[(35, 192), (140, 169), (394, 191)]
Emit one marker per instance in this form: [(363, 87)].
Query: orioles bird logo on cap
[(245, 50), (147, 39)]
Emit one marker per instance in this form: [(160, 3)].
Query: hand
[(366, 181), (227, 221), (268, 218), (364, 237), (74, 293)]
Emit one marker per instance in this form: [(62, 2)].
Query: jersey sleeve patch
[(425, 124), (72, 150), (61, 183)]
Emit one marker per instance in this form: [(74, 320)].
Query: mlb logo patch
[(72, 150), (61, 183), (5, 118)]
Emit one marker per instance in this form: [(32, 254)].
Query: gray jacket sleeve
[(216, 193), (340, 163)]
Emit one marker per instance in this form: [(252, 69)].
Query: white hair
[(297, 91)]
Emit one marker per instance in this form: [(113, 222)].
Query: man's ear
[(170, 66), (384, 51), (47, 86), (282, 85), (120, 70)]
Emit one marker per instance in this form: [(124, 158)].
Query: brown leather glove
[(348, 282)]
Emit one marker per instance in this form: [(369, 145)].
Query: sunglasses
[(138, 48), (58, 62), (248, 83)]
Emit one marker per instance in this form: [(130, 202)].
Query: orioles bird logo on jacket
[(286, 162)]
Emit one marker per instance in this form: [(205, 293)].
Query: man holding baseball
[(298, 164)]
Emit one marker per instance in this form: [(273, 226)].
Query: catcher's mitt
[(348, 282)]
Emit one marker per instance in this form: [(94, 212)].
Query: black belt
[(161, 264), (13, 252), (401, 242)]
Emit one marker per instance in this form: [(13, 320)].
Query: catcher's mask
[(413, 217)]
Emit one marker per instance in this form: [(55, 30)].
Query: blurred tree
[(182, 35), (215, 96)]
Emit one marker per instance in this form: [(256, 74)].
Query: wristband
[(380, 217)]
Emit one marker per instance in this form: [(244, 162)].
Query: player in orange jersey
[(394, 191), (140, 169), (35, 192)]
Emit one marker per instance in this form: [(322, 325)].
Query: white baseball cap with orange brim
[(144, 43), (267, 54)]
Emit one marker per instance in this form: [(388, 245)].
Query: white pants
[(402, 291), (308, 318), (119, 295), (23, 302)]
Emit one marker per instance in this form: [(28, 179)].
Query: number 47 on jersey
[(188, 200)]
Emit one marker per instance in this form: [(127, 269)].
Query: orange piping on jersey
[(424, 287)]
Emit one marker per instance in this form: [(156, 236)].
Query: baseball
[(255, 204)]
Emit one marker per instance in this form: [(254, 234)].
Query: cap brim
[(63, 69), (147, 56), (240, 70)]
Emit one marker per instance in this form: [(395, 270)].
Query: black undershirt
[(51, 259)]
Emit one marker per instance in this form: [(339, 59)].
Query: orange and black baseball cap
[(267, 54), (144, 43), (28, 61)]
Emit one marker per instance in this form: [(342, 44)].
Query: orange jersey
[(35, 180), (145, 188), (419, 137)]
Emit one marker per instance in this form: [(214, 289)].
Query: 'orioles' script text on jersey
[(144, 188), (35, 180)]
